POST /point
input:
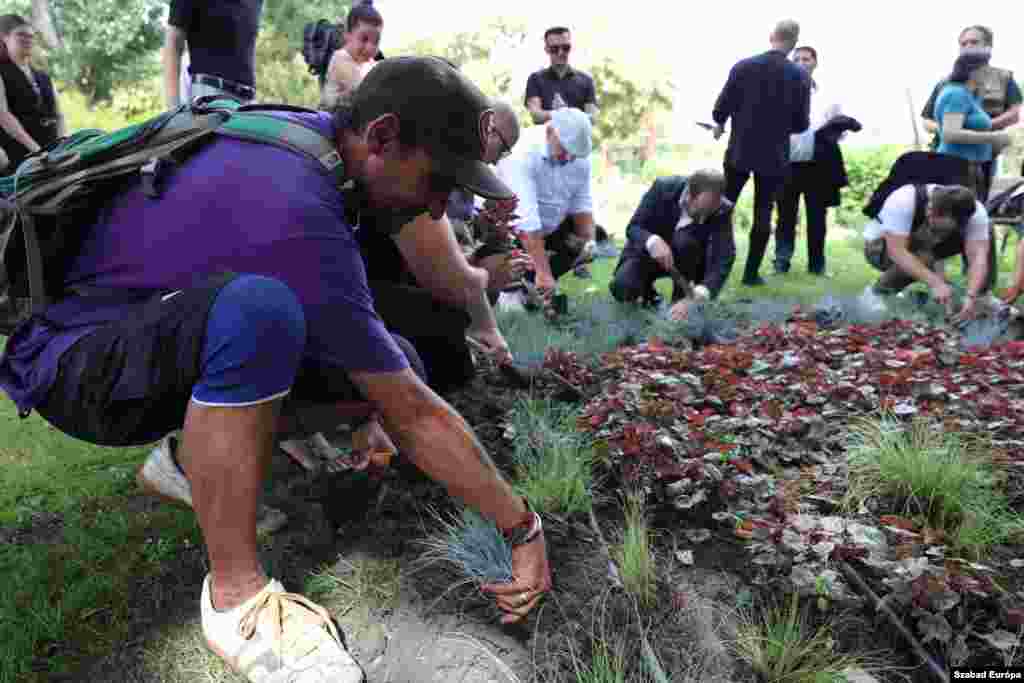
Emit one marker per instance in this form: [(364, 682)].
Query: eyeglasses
[(506, 149), (24, 36), (555, 49)]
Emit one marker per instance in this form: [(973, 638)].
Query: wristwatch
[(526, 531)]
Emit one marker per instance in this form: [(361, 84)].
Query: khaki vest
[(992, 83)]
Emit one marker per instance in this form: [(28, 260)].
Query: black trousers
[(766, 190), (636, 272), (436, 330), (803, 180)]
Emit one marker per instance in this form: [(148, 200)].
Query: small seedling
[(633, 555), (781, 646)]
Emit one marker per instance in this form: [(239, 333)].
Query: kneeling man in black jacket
[(684, 224)]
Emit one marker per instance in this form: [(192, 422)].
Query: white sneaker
[(279, 637), (160, 476)]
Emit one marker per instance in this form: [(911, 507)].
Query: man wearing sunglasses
[(559, 85)]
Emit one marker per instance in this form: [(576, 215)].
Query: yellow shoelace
[(277, 604)]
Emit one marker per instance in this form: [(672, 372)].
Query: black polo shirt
[(576, 88), (221, 36)]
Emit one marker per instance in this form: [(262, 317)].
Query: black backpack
[(918, 168), (319, 41)]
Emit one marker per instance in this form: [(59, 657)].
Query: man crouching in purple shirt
[(237, 305)]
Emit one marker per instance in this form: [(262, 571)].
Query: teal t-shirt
[(957, 99)]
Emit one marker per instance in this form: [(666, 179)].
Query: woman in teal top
[(965, 130)]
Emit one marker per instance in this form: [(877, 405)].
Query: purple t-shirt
[(234, 206)]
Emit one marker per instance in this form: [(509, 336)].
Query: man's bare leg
[(224, 454)]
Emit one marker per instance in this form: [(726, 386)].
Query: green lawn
[(63, 599)]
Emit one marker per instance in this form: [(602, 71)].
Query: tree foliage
[(625, 102), (106, 43), (289, 17), (498, 59)]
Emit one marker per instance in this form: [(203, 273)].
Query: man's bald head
[(504, 133)]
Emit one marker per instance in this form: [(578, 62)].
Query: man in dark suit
[(768, 99), (682, 223)]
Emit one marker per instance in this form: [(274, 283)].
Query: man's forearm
[(977, 268), (12, 126), (1006, 119), (442, 445), (478, 306), (914, 267), (534, 243)]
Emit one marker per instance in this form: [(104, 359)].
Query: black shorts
[(130, 382)]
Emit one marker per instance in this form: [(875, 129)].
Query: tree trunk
[(43, 19)]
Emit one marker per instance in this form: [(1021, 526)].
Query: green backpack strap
[(261, 126)]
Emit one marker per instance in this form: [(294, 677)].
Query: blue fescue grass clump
[(529, 336), (984, 332), (553, 460), (604, 325), (472, 545)]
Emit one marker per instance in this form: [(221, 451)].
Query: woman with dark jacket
[(30, 119)]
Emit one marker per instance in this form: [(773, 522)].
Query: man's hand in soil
[(662, 253), (680, 309), (1011, 295), (493, 344), (531, 580), (943, 293), (968, 311)]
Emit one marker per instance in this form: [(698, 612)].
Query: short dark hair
[(555, 31), (706, 180), (954, 200), (809, 50), (985, 31), (363, 13)]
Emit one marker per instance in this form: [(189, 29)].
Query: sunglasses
[(506, 148), (555, 49)]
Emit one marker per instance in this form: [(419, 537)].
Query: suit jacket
[(768, 99), (828, 157), (658, 214)]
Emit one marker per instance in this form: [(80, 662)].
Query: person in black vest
[(768, 99), (682, 224), (559, 85), (30, 118), (221, 39)]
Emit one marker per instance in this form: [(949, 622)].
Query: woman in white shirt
[(804, 179)]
